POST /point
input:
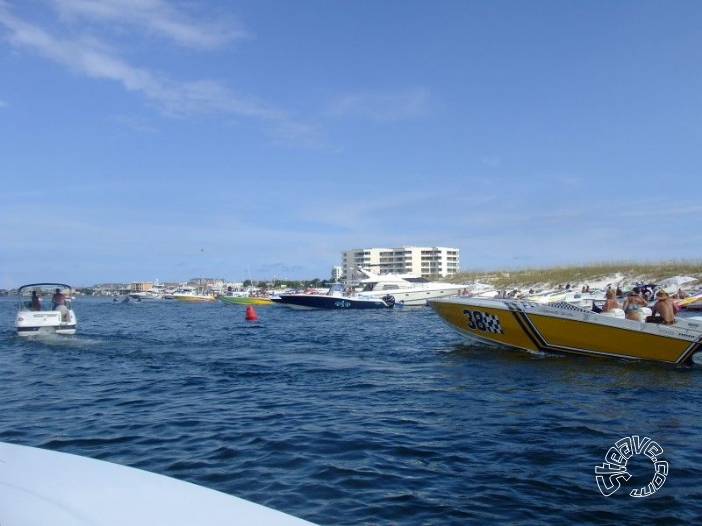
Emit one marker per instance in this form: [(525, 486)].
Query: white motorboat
[(578, 298), (191, 294), (38, 486), (407, 289), (146, 295), (45, 308)]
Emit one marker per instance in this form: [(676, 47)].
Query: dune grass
[(582, 274)]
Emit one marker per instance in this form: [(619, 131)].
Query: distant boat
[(155, 292), (147, 295), (34, 318), (335, 298), (407, 289), (244, 297), (579, 298), (692, 302), (192, 295)]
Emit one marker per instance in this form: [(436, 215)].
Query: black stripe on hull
[(528, 328), (690, 351)]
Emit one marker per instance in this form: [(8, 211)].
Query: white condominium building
[(423, 261)]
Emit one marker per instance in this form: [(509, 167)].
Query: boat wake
[(51, 339)]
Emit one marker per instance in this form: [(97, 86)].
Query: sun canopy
[(677, 281)]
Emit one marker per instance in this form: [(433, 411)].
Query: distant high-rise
[(423, 261)]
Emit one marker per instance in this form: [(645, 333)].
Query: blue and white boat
[(335, 298)]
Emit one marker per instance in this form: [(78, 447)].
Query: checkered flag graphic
[(492, 324)]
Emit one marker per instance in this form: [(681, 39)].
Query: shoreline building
[(422, 261)]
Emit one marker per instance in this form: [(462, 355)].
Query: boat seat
[(614, 313)]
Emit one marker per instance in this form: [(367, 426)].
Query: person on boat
[(59, 304), (611, 302), (36, 304), (663, 311), (58, 299), (632, 306)]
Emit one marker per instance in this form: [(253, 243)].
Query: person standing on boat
[(663, 310), (36, 304), (632, 306), (58, 299), (59, 304)]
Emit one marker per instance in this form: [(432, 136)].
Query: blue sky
[(144, 139)]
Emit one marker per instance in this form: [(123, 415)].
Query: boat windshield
[(336, 287)]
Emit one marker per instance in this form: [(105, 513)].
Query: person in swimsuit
[(36, 304), (632, 306), (663, 310), (611, 301), (58, 299), (59, 304)]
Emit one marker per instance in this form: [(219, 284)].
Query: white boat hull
[(30, 323), (41, 487), (419, 298)]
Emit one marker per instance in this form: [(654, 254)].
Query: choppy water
[(373, 417)]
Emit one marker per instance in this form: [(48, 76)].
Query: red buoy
[(251, 313)]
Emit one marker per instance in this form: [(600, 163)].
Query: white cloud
[(155, 17), (382, 106), (96, 58)]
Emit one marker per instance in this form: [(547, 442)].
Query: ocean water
[(353, 417)]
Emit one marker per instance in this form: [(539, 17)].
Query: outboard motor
[(390, 300)]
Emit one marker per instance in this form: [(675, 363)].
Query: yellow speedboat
[(565, 328)]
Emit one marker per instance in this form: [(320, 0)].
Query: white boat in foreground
[(407, 289), (41, 487), (38, 313)]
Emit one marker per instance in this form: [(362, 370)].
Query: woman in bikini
[(632, 306)]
